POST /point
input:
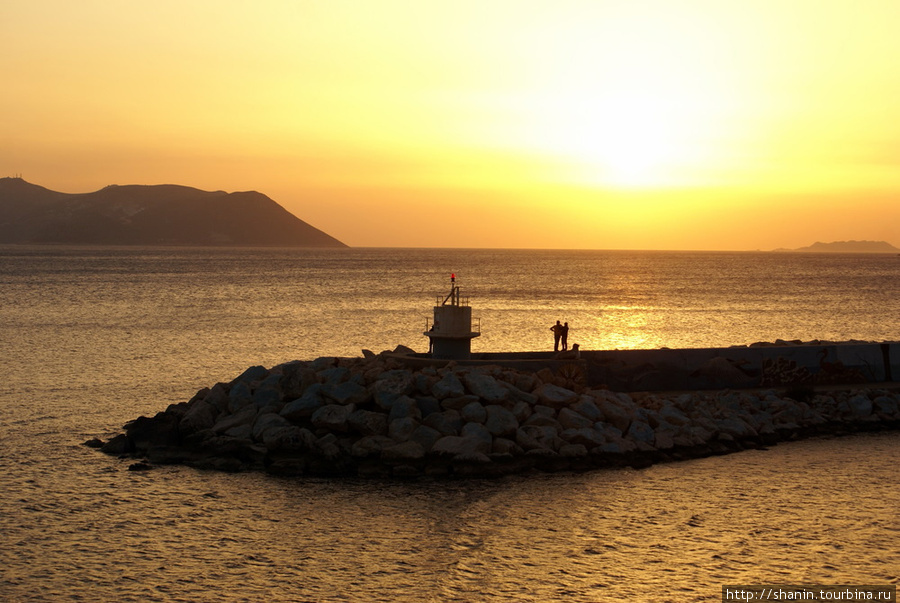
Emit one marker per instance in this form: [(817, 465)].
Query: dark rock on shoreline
[(375, 417)]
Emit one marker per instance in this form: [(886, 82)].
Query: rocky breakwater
[(373, 416)]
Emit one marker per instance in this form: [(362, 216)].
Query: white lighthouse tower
[(451, 332)]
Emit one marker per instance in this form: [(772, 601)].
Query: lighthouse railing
[(458, 300), (475, 327)]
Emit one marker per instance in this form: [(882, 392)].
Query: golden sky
[(609, 124)]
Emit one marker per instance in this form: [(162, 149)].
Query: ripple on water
[(89, 350)]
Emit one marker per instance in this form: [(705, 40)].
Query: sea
[(93, 337)]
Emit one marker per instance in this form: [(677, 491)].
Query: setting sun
[(634, 139), (639, 106)]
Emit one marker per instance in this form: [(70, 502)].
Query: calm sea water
[(92, 338)]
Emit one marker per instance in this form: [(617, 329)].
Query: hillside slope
[(150, 215)]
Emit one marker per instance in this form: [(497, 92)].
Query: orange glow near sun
[(643, 118)]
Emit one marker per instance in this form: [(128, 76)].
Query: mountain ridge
[(163, 214)]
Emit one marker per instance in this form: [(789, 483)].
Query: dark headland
[(847, 247), (150, 215)]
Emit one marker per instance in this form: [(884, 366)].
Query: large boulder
[(460, 402), (289, 439), (268, 392), (542, 420), (473, 412), (367, 422), (665, 439), (886, 407), (477, 430), (397, 381), (333, 417), (586, 436), (296, 377), (486, 387), (448, 387), (555, 396), (500, 422), (400, 430), (456, 445), (615, 414), (518, 395), (506, 446), (860, 406), (347, 392), (159, 430), (245, 416), (334, 375), (426, 436), (199, 416), (423, 383), (548, 437), (639, 431), (573, 451), (735, 427), (265, 422), (323, 363), (218, 397), (252, 375), (700, 435), (328, 446), (570, 419), (587, 407), (405, 451), (527, 440), (447, 423), (404, 407), (120, 444), (305, 406), (521, 411), (428, 405), (673, 416), (371, 445), (239, 396)]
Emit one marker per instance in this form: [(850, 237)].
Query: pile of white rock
[(374, 416)]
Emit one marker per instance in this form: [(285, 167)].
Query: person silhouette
[(557, 334), (431, 339), (565, 336)]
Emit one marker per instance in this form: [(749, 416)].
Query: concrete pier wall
[(800, 366)]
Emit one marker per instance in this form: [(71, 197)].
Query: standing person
[(431, 339), (565, 337), (557, 334)]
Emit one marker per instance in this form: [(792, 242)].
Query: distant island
[(847, 247), (150, 215)]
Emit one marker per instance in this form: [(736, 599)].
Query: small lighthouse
[(451, 331)]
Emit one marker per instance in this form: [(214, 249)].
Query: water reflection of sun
[(625, 329)]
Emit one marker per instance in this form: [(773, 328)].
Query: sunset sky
[(608, 124)]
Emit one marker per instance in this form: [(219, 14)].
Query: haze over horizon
[(603, 124)]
